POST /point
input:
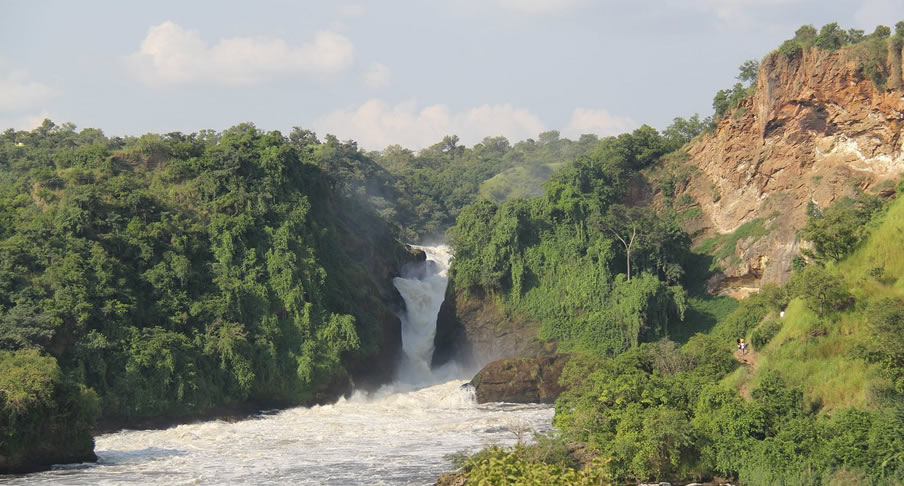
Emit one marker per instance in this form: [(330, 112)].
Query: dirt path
[(749, 358), (749, 361)]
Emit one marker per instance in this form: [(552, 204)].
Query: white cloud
[(378, 76), (376, 124), (18, 93), (352, 10), (170, 54), (534, 7), (597, 121)]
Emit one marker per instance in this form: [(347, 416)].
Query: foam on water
[(388, 437)]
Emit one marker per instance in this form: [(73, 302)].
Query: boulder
[(520, 380)]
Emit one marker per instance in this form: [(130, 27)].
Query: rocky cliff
[(473, 329), (816, 129)]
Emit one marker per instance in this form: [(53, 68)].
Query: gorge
[(400, 433), (158, 279)]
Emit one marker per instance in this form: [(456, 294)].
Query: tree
[(747, 72), (886, 324), (881, 32), (805, 35), (721, 103), (855, 35), (821, 289), (835, 232), (682, 131), (831, 37), (620, 224)]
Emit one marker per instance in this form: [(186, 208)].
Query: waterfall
[(400, 434), (423, 286)]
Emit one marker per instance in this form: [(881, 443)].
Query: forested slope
[(165, 275), (657, 389)]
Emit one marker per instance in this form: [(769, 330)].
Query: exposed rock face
[(39, 457), (383, 259), (815, 130), (473, 330), (520, 380), (451, 479)]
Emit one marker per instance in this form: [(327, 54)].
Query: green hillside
[(163, 276), (657, 388), (812, 401)]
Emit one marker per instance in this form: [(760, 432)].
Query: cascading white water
[(423, 286), (399, 435)]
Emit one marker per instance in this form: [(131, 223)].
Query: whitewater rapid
[(398, 435), (389, 438)]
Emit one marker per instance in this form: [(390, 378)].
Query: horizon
[(477, 69)]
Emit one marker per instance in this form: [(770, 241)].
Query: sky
[(387, 72)]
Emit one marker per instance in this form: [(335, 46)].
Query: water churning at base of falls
[(398, 435), (385, 438)]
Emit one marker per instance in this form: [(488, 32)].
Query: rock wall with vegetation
[(822, 120), (813, 399)]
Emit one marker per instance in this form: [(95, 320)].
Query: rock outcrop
[(473, 329), (815, 130), (520, 380), (374, 294), (52, 450)]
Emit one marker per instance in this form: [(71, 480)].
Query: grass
[(884, 251), (825, 366), (702, 314), (723, 246), (828, 366), (690, 214)]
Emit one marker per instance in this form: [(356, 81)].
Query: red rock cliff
[(815, 129)]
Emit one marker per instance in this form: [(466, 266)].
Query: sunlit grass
[(821, 354), (875, 270), (826, 365)]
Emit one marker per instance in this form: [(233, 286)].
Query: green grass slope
[(826, 354)]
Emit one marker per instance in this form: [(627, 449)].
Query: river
[(400, 434)]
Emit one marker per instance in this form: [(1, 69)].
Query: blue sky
[(393, 71)]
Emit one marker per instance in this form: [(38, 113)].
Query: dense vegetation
[(168, 274), (165, 275), (813, 403), (556, 258), (427, 190)]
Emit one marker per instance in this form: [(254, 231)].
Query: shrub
[(822, 290), (764, 333), (498, 466)]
